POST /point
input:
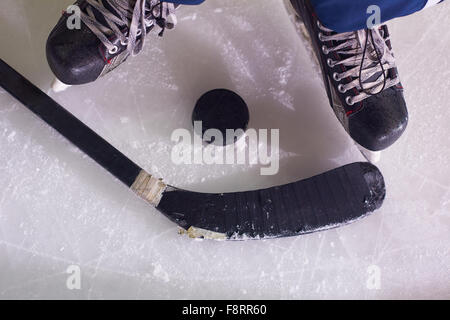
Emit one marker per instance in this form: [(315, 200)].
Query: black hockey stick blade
[(325, 201), (331, 199)]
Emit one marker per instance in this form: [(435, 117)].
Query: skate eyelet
[(321, 36), (114, 50), (325, 50), (124, 43), (319, 24), (330, 63), (349, 101), (341, 88), (336, 77), (139, 32)]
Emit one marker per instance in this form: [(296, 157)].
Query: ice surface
[(58, 208)]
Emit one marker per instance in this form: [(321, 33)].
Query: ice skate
[(109, 32), (360, 77)]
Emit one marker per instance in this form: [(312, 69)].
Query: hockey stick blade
[(328, 200)]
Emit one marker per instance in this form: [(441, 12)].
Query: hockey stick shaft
[(80, 135)]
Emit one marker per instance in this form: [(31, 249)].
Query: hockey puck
[(220, 109)]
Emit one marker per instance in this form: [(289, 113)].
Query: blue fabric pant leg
[(351, 15)]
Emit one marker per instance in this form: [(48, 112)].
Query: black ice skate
[(110, 31), (360, 77)]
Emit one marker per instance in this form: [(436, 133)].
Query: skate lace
[(367, 59), (129, 22)]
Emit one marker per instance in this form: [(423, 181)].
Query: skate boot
[(108, 32), (360, 77)]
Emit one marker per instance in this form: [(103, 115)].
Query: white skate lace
[(368, 62), (134, 16)]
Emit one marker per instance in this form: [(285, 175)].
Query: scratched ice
[(58, 208)]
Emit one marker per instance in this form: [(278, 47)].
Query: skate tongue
[(113, 10), (100, 17), (364, 37)]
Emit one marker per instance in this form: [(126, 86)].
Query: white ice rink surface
[(58, 208)]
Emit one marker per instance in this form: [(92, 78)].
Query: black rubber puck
[(221, 109)]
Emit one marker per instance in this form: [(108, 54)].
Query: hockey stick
[(325, 201)]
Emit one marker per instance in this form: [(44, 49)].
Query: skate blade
[(371, 156), (58, 86)]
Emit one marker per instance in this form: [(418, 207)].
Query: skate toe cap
[(381, 121), (73, 55)]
